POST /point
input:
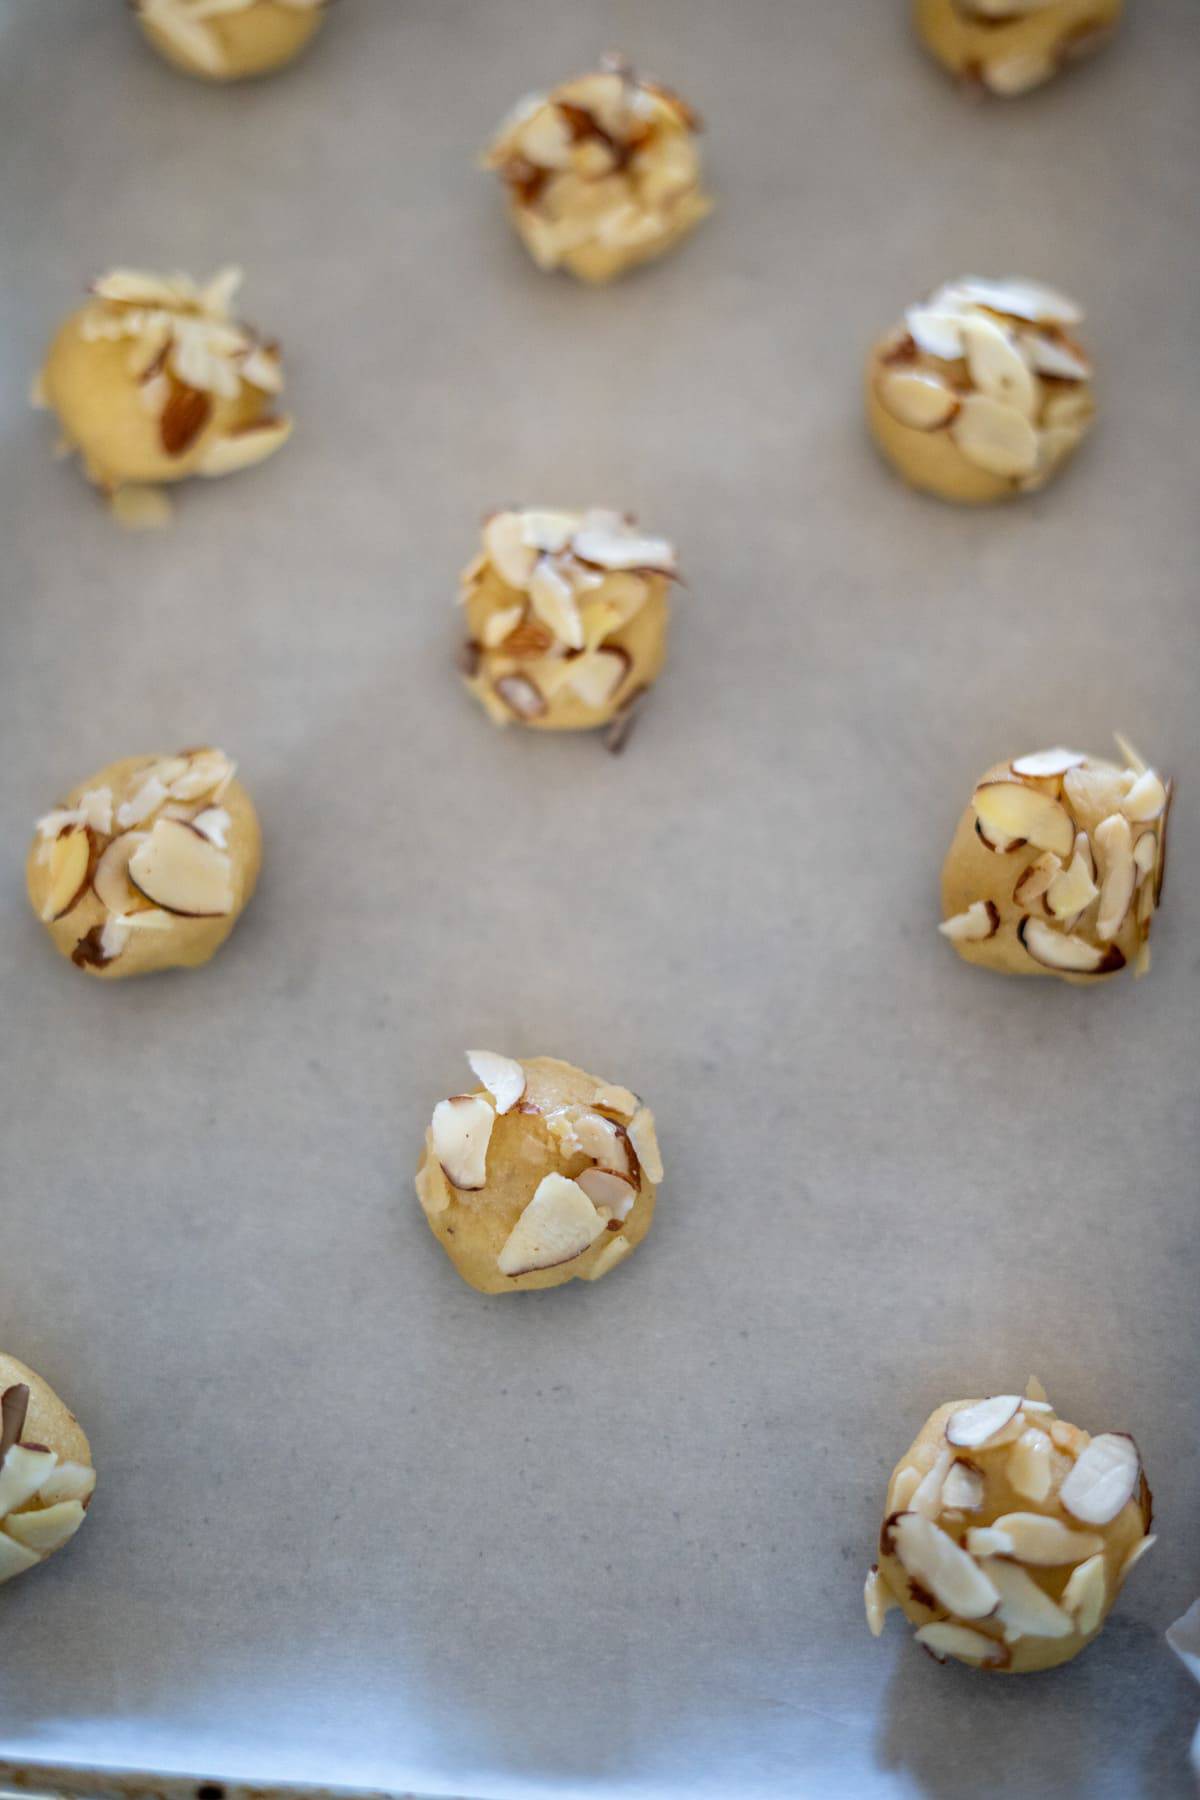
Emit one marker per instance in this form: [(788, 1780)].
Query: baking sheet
[(356, 1523)]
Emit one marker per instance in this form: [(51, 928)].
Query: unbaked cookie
[(566, 616), (154, 380), (1057, 865), (1011, 46), (228, 40), (1008, 1533), (46, 1473), (539, 1175), (602, 173), (980, 392), (146, 865)]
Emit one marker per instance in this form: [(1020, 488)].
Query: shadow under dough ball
[(1008, 1533), (540, 1175), (146, 865), (1009, 47), (46, 1473), (228, 40)]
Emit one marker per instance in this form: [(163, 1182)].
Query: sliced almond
[(461, 1129), (553, 600), (500, 625), (47, 1528), (935, 1561), (1093, 791), (183, 418), (879, 1600), (996, 365), (1010, 809), (644, 1139), (202, 771), (609, 1193), (70, 866), (213, 822), (1103, 1480), (15, 1558), (520, 695), (146, 799), (1118, 874), (971, 1427), (927, 1497), (110, 877), (1055, 356), (1034, 880), (917, 398), (597, 677), (502, 1076), (981, 920), (601, 1139), (1070, 955), (614, 1252), (22, 1473), (1085, 1594), (178, 869), (1018, 297), (69, 1481), (999, 845), (558, 1225), (1074, 889), (904, 1487), (1145, 854), (1146, 799), (1036, 1396), (508, 552), (608, 548), (936, 330), (1025, 1609), (963, 1488), (985, 1540), (944, 1638), (548, 531), (1029, 1466), (995, 436), (1044, 1542), (1040, 765), (617, 1099), (242, 449)]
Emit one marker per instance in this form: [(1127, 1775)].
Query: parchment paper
[(356, 1523)]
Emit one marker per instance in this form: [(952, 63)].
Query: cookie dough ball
[(566, 619), (602, 174), (46, 1473), (228, 40), (154, 380), (1007, 1533), (1057, 865), (1011, 46), (146, 865), (539, 1175), (980, 393)]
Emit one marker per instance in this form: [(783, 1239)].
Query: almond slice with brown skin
[(944, 1639), (110, 880), (213, 822), (936, 1562), (1044, 1542), (178, 869), (1103, 1480), (47, 1528), (1146, 799), (605, 1142), (461, 1129), (609, 548), (998, 845), (1118, 874), (878, 1599), (553, 600), (617, 1099), (981, 920), (72, 858), (184, 417), (995, 436), (963, 1488), (1072, 890), (1019, 297), (917, 398), (611, 1193), (1085, 1594), (1025, 1609), (558, 1225), (506, 549), (1041, 765), (1070, 955), (520, 695), (1092, 793), (1010, 809), (1034, 881), (971, 1427), (499, 625), (502, 1076), (644, 1138), (22, 1473), (927, 1496)]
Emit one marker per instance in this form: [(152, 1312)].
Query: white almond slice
[(1035, 880), (1044, 1542), (644, 1139), (1135, 1555), (114, 935), (548, 532), (985, 1540), (1093, 792), (213, 822), (150, 918), (502, 1076), (461, 1129), (499, 625), (1036, 1393), (15, 1558), (624, 549), (1020, 299), (927, 1498), (1043, 764), (904, 1487), (981, 920), (504, 542), (180, 870), (996, 366), (614, 1252), (21, 1475), (1010, 809), (1103, 1480), (1136, 762), (53, 824), (597, 677), (110, 879), (616, 1099), (96, 809), (205, 771), (1118, 874), (612, 1193), (935, 1561), (995, 436), (520, 695), (145, 800), (558, 1225), (970, 1427), (1145, 854), (47, 1528), (998, 845), (1146, 799), (1085, 1594), (69, 861), (917, 399), (1072, 891), (1018, 73), (232, 451), (553, 600), (878, 1599), (1052, 356), (944, 1639), (68, 1481), (1072, 955), (936, 331), (601, 1139), (260, 368), (1030, 1466), (1025, 1609), (1067, 1437), (963, 1488)]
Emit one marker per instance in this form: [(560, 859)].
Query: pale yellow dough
[(231, 43), (537, 1137), (154, 380), (566, 619), (126, 933), (46, 1457), (1068, 895), (1011, 46), (1017, 1474)]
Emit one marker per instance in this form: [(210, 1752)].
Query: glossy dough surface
[(1007, 1553), (559, 1184), (1011, 46), (183, 826), (228, 40), (46, 1473)]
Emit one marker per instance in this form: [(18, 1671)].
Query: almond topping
[(917, 398), (1085, 1594), (520, 695), (1025, 1609), (971, 1427), (558, 1224), (1041, 764), (1072, 955), (945, 1639), (180, 870), (644, 1139), (1036, 879), (1145, 799), (71, 856), (1114, 846), (1072, 891), (1103, 1480), (502, 1076), (879, 1600), (461, 1129), (1010, 809), (1044, 1542), (962, 1490), (981, 920), (934, 1560), (995, 436), (1029, 1468)]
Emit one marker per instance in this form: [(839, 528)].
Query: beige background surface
[(355, 1522)]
